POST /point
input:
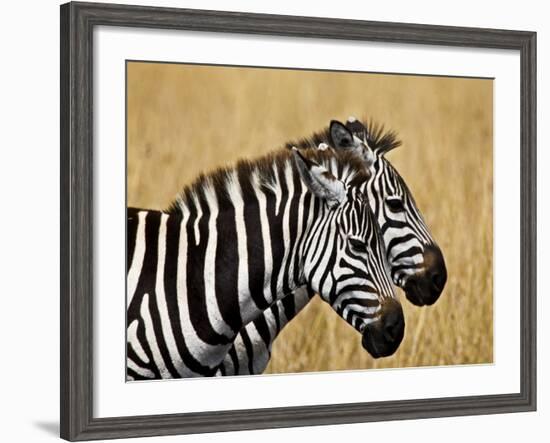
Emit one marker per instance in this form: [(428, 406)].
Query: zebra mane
[(344, 165), (377, 137)]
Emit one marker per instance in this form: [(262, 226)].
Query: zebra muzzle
[(425, 288), (382, 337)]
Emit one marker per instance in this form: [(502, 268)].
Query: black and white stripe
[(410, 246), (235, 243)]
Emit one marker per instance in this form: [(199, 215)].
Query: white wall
[(29, 234)]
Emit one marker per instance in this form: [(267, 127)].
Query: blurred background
[(184, 119)]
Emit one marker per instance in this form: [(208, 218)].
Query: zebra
[(235, 242), (417, 264)]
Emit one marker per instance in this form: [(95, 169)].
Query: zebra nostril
[(394, 324), (391, 332)]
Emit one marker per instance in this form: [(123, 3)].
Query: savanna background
[(184, 119)]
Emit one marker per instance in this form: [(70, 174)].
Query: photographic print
[(287, 220), (271, 221)]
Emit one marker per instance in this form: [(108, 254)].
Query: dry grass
[(185, 119)]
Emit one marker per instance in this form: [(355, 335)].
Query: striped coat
[(240, 239), (416, 262)]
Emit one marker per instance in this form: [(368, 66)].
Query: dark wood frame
[(77, 23)]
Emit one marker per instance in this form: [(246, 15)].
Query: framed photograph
[(273, 221)]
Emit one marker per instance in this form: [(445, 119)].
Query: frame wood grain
[(77, 24)]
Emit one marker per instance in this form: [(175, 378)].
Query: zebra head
[(344, 259), (416, 262)]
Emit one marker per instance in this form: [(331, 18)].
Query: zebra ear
[(342, 138), (320, 181)]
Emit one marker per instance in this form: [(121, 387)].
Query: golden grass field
[(184, 119)]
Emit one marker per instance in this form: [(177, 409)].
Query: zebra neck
[(241, 255), (198, 274)]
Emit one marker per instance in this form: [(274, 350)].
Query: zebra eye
[(395, 204), (358, 245)]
